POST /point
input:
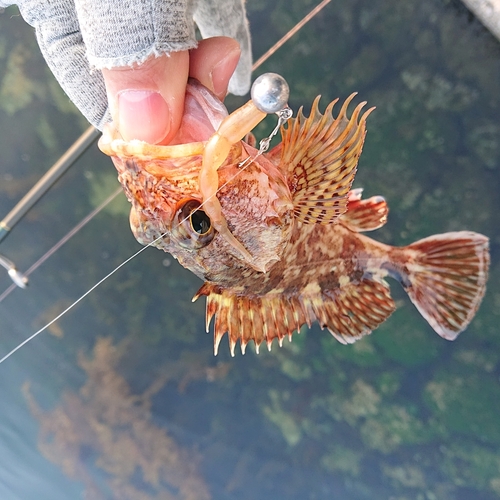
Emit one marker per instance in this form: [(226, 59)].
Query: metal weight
[(270, 93)]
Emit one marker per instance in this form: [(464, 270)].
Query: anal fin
[(356, 309), (348, 312)]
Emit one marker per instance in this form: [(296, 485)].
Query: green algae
[(389, 383), (47, 134), (436, 92), (469, 464), (363, 353), (401, 414), (466, 402), (277, 414), (392, 427), (17, 90), (409, 340), (294, 370), (484, 141), (408, 476), (343, 460), (364, 69)]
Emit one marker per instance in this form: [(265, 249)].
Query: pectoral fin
[(364, 215), (320, 154)]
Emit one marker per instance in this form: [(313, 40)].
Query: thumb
[(147, 100)]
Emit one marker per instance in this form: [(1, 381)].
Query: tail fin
[(447, 276)]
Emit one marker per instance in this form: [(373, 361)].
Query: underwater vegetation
[(400, 414), (105, 426)]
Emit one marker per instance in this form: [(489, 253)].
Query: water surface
[(123, 399)]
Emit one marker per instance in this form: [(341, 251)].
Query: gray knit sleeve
[(123, 32), (79, 37), (228, 18)]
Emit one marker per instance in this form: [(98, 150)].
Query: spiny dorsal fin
[(320, 155), (364, 215), (348, 312)]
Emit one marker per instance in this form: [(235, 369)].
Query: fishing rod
[(271, 51), (70, 157), (36, 193)]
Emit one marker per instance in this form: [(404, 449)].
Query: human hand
[(139, 47), (147, 100)]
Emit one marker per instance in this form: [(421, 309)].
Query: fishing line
[(90, 290), (64, 239), (89, 217), (77, 301)]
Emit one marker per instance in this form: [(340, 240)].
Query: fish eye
[(192, 227), (200, 222)]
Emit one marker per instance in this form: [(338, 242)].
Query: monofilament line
[(90, 290), (64, 240), (260, 61), (257, 64), (77, 301)]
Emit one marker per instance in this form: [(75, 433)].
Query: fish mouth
[(203, 113)]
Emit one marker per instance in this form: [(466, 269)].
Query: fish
[(294, 211)]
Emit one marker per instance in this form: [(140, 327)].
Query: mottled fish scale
[(294, 211)]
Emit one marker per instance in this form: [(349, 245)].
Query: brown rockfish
[(300, 225)]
